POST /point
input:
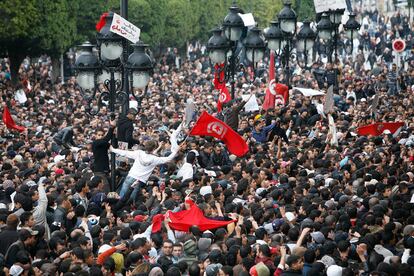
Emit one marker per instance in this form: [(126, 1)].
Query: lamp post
[(305, 40), (287, 22), (328, 30), (325, 28), (226, 43), (351, 26), (335, 16), (107, 68)]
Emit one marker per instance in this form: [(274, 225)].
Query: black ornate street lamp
[(287, 22), (233, 24), (91, 70), (255, 46), (324, 27), (335, 16), (328, 31), (275, 37), (223, 46), (351, 26), (305, 40)]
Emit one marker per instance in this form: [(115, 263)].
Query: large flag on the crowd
[(220, 85), (9, 122), (269, 101), (378, 128), (183, 220), (207, 125)]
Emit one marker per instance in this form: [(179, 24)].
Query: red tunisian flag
[(220, 84), (101, 22), (9, 122), (183, 220), (269, 101), (378, 128), (276, 93), (207, 125)]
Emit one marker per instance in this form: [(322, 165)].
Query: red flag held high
[(220, 84), (183, 220), (276, 93), (101, 22), (269, 101), (378, 128), (9, 122), (224, 97), (282, 93), (207, 125)]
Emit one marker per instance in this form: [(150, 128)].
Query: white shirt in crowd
[(186, 171), (144, 163)]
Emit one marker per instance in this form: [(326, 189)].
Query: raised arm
[(126, 153)]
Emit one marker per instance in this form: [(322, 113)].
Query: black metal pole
[(287, 55), (352, 44), (330, 49), (125, 54), (233, 69), (336, 43), (112, 99)]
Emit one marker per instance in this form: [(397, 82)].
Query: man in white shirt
[(144, 164), (186, 171)]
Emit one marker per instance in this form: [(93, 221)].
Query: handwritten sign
[(248, 19), (124, 28), (252, 104), (326, 5)]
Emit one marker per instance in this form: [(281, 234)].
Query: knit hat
[(213, 269), (204, 244), (7, 183), (327, 261), (260, 270), (190, 247), (334, 270), (318, 237)]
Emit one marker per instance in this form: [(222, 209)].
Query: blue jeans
[(129, 180)]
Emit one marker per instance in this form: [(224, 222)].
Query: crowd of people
[(303, 201)]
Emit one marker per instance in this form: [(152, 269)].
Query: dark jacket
[(292, 273), (278, 131), (12, 251), (60, 217), (64, 137), (125, 131), (7, 237), (204, 159), (100, 152), (219, 159), (231, 116), (306, 268)]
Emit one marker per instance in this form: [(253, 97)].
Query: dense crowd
[(300, 202)]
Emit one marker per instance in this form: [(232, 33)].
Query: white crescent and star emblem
[(217, 128), (222, 97), (272, 87)]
